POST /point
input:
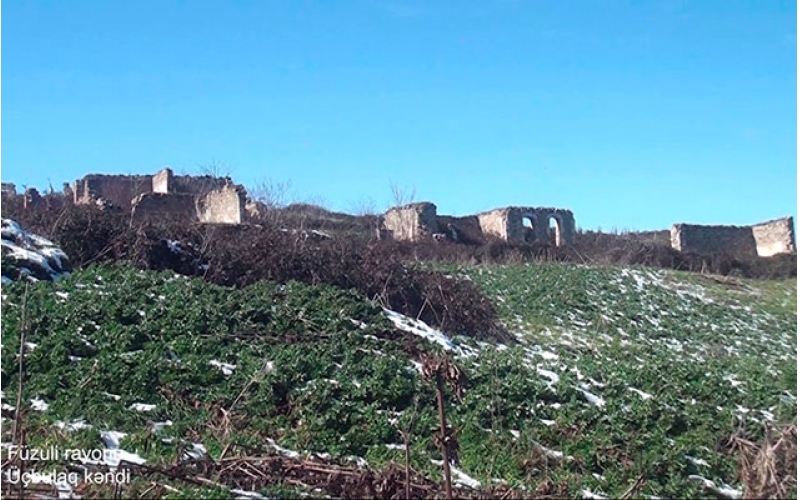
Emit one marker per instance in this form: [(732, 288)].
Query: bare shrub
[(769, 469), (402, 196)]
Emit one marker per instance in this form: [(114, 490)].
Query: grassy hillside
[(621, 380)]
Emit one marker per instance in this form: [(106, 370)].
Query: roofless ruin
[(217, 200)]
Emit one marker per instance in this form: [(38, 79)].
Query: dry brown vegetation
[(769, 469)]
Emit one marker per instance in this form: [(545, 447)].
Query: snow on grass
[(75, 425), (142, 407), (595, 400), (641, 394), (39, 404), (725, 491), (588, 494), (248, 494), (227, 369), (552, 376), (460, 477), (732, 379), (558, 455), (283, 451), (160, 426), (198, 452), (113, 455), (698, 461), (420, 329), (31, 250)]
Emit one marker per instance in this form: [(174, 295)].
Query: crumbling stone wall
[(195, 198), (223, 206), (411, 222), (165, 181), (161, 181), (734, 240), (775, 237), (496, 222), (509, 224), (118, 189), (417, 220), (764, 239), (464, 229), (163, 206)]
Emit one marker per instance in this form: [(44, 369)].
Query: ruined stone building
[(529, 224), (764, 239), (411, 222), (194, 198), (416, 221)]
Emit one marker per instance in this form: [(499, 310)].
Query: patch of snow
[(112, 438), (393, 446), (698, 461), (248, 494), (547, 422), (114, 455), (553, 376), (558, 455), (39, 404), (160, 426), (515, 433), (198, 452), (360, 324), (732, 379), (460, 477), (142, 407), (283, 451), (725, 490), (588, 494), (227, 369), (595, 400), (420, 329), (641, 394), (174, 246), (361, 463), (75, 425)]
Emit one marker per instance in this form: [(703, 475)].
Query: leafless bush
[(769, 469), (402, 196)]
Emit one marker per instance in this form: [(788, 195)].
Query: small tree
[(402, 196), (215, 168), (271, 196)]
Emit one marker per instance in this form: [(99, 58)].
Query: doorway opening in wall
[(527, 228), (554, 231)]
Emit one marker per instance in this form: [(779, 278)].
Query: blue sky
[(634, 114)]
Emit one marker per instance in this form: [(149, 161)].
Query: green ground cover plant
[(617, 380)]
